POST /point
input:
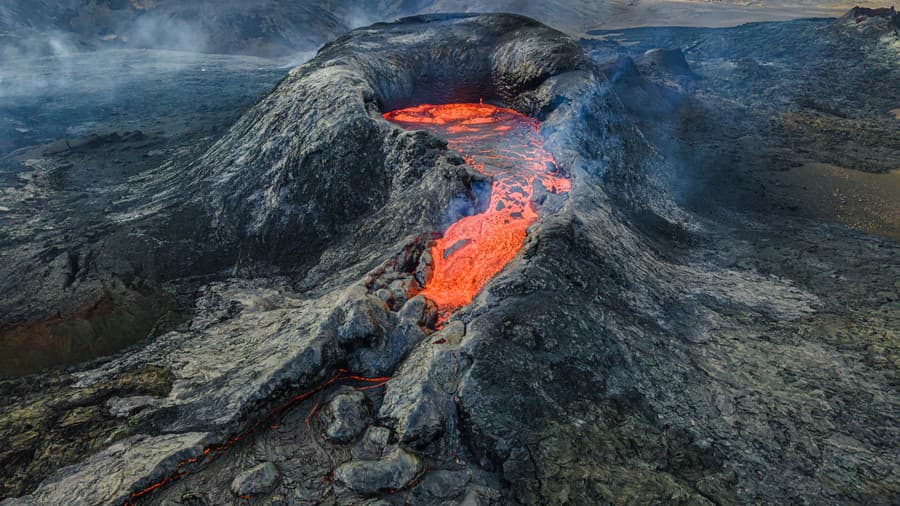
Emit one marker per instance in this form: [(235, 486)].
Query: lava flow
[(271, 419), (507, 146)]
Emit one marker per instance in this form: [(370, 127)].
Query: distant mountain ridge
[(283, 27)]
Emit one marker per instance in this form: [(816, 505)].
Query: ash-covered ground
[(710, 315)]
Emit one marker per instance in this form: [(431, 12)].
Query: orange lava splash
[(507, 146)]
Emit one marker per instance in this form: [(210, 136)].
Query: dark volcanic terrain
[(709, 316), (80, 134)]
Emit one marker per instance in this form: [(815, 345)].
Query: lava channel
[(507, 146)]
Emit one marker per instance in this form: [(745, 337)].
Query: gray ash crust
[(632, 351)]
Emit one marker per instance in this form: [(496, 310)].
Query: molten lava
[(507, 146)]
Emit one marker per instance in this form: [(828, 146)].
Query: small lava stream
[(507, 146), (271, 419)]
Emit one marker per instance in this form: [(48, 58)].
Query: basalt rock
[(667, 61), (257, 480), (395, 471), (372, 444), (346, 416)]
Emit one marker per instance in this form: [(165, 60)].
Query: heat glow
[(507, 146)]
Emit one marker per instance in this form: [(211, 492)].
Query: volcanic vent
[(506, 146)]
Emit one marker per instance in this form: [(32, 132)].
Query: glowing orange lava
[(507, 146)]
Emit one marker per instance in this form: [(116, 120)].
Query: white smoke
[(17, 75), (157, 31)]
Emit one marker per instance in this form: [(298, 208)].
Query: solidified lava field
[(447, 259)]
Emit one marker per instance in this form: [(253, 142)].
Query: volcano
[(453, 259)]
